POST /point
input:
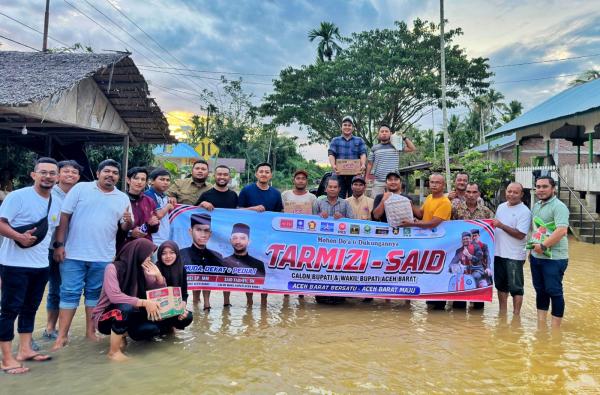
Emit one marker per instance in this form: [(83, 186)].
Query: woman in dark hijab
[(170, 266), (122, 308)]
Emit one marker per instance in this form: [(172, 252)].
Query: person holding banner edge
[(219, 196), (435, 210)]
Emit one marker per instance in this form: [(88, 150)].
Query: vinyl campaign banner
[(305, 254)]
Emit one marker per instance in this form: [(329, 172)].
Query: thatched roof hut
[(66, 98)]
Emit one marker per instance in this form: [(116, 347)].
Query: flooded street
[(297, 346)]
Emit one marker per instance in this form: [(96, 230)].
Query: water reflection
[(295, 346)]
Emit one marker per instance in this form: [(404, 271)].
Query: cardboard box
[(348, 167), (297, 208), (169, 301)]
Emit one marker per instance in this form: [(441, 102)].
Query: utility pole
[(46, 18), (444, 114)]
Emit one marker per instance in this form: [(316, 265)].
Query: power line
[(204, 78), (150, 37), (32, 28), (20, 43), (546, 61), (537, 79), (169, 91), (136, 40), (215, 72)]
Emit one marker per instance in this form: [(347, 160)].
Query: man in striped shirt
[(384, 158)]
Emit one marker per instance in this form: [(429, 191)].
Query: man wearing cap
[(467, 257), (347, 146), (384, 157), (240, 262), (361, 204), (197, 254), (333, 206), (294, 200), (394, 185)]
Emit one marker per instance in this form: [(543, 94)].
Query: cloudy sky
[(258, 38)]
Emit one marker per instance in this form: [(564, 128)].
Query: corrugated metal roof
[(499, 142), (180, 150), (575, 100)]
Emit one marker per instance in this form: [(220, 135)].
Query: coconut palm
[(586, 76), (513, 110), (328, 33)]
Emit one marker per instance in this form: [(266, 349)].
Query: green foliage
[(387, 75), (489, 175), (19, 162), (140, 155)]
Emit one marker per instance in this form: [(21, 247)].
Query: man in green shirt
[(188, 190), (547, 272)]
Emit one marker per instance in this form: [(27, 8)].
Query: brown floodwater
[(296, 346)]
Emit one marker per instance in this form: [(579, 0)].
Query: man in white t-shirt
[(24, 262), (512, 223), (90, 216), (295, 199)]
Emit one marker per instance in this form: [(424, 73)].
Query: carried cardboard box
[(297, 207), (169, 301), (348, 167)]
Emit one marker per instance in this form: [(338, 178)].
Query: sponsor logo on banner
[(342, 228), (354, 229), (367, 229), (286, 223), (381, 230), (407, 232), (396, 230), (300, 224), (327, 226), (312, 225)]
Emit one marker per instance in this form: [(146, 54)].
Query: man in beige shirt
[(361, 204), (188, 190)]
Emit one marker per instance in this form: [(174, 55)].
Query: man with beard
[(197, 254), (547, 273), (384, 158), (91, 214), (188, 190), (220, 196), (24, 262), (345, 147), (241, 263), (299, 195), (68, 175)]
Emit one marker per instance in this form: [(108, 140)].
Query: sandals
[(15, 369), (37, 358)]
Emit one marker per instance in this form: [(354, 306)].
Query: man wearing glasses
[(547, 269), (28, 218)]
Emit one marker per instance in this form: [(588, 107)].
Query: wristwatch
[(543, 247), (58, 244)]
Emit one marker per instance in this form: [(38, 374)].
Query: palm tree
[(586, 76), (328, 32), (513, 110)]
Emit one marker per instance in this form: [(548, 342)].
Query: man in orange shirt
[(436, 209)]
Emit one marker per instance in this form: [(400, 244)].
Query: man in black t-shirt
[(241, 263), (220, 196)]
